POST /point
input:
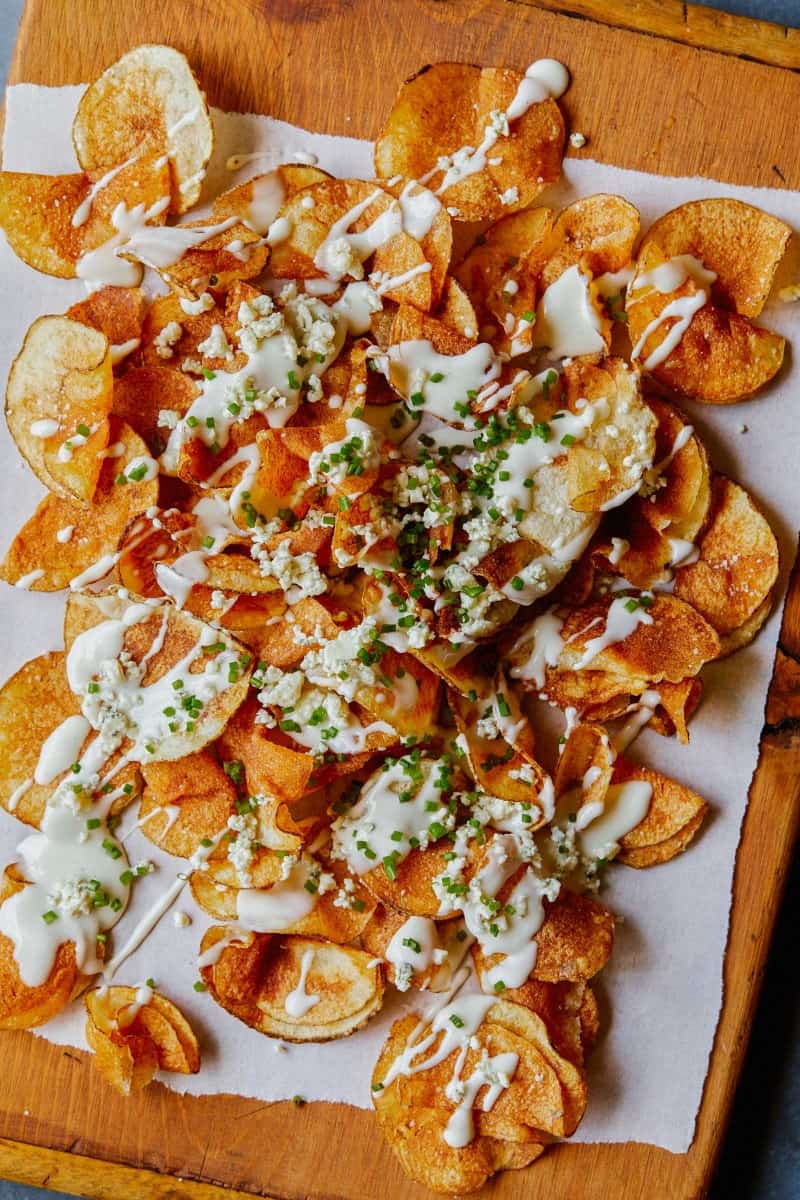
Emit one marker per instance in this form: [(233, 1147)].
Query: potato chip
[(24, 1007), (222, 260), (674, 643), (147, 102), (585, 761), (295, 988), (609, 461), (171, 640), (118, 312), (573, 944), (33, 703), (499, 273), (597, 232), (568, 1010), (326, 232), (143, 394), (738, 562), (216, 890), (57, 404), (64, 537), (271, 766), (673, 818), (52, 220), (692, 346), (185, 802), (545, 1096), (741, 244), (448, 108), (258, 201), (136, 1032), (408, 888)]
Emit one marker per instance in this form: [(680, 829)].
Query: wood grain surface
[(333, 65)]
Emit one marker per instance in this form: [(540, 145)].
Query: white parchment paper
[(661, 993)]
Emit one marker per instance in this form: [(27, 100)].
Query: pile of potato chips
[(357, 475)]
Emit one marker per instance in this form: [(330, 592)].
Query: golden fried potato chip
[(143, 393), (173, 641), (691, 345), (296, 988), (499, 273), (24, 1007), (455, 310), (573, 944), (64, 537), (446, 111), (673, 818), (545, 1096), (409, 887), (147, 102), (586, 761), (738, 564), (222, 260), (33, 703), (218, 888), (741, 244), (597, 232), (663, 640), (569, 1011), (341, 210), (118, 312), (677, 704), (57, 403), (271, 763), (609, 461), (258, 201), (51, 220), (677, 490), (185, 802), (136, 1032)]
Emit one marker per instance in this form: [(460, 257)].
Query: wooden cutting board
[(646, 102)]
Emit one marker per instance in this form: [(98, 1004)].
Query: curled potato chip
[(499, 273), (136, 1032), (33, 703), (268, 985), (51, 220), (65, 536), (147, 102), (586, 761), (609, 461), (673, 818), (185, 802), (59, 386), (743, 245), (169, 638), (568, 1010), (733, 577), (271, 767), (677, 489), (222, 260), (448, 107), (21, 1006)]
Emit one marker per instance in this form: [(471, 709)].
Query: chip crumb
[(577, 140)]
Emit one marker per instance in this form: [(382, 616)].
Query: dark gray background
[(761, 1155)]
